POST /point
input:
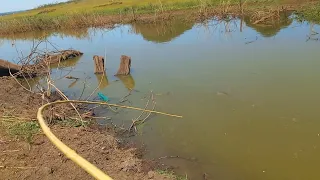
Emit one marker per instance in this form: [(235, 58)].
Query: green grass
[(112, 6), (103, 6), (91, 13), (311, 14), (19, 129), (72, 123), (171, 175), (55, 4), (25, 129)]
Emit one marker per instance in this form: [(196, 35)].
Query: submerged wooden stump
[(6, 67), (98, 64), (60, 56), (39, 65), (125, 64)]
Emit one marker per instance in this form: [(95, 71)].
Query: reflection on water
[(64, 64), (250, 110), (39, 35), (161, 32), (271, 27), (127, 81), (103, 81), (73, 83), (30, 83)]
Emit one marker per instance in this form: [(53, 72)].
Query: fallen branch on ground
[(6, 167)]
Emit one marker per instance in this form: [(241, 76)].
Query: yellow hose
[(71, 154)]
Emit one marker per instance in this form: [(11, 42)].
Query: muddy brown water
[(249, 94)]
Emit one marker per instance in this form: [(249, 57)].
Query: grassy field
[(310, 13), (87, 13), (116, 6), (141, 6), (113, 6)]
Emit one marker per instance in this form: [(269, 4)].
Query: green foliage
[(24, 130), (171, 175), (311, 14), (72, 123)]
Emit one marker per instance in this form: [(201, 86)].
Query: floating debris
[(103, 97), (39, 65), (5, 66), (222, 93), (71, 77)]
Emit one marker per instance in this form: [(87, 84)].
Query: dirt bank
[(41, 160), (37, 158), (15, 100)]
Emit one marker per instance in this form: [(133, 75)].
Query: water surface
[(249, 94)]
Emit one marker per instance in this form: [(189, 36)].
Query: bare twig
[(18, 81), (66, 98), (179, 157), (95, 88), (84, 87), (123, 99), (154, 106), (137, 120), (10, 151), (6, 167)]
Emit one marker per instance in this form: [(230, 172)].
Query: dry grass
[(93, 13), (310, 13)]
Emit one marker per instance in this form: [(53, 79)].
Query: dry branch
[(138, 121), (6, 167), (66, 98)]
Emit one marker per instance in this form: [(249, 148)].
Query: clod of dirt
[(150, 174)]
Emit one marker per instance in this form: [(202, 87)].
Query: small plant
[(24, 130), (72, 123)]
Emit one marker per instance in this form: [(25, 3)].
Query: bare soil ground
[(39, 159), (16, 100)]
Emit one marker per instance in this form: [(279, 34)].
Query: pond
[(248, 94)]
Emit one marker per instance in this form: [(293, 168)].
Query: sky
[(17, 5)]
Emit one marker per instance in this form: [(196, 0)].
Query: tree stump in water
[(98, 64), (125, 64), (6, 67)]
